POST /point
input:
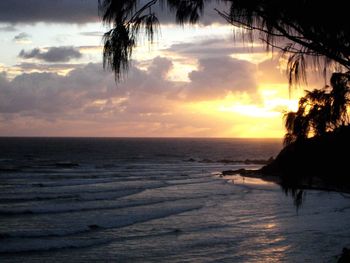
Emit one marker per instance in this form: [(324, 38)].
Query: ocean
[(157, 200)]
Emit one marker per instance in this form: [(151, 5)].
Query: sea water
[(157, 200)]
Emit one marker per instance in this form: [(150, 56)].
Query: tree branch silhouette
[(307, 24)]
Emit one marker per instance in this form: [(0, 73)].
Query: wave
[(54, 203), (19, 245), (92, 205), (86, 189), (74, 182), (80, 189), (105, 195), (45, 182), (228, 161), (57, 239), (60, 176), (10, 168), (37, 166), (27, 245)]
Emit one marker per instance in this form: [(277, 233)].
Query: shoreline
[(296, 191), (315, 184), (252, 174)]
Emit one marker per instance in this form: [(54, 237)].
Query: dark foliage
[(127, 22), (320, 111), (320, 162), (301, 29)]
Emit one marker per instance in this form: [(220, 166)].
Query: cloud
[(48, 67), (145, 103), (42, 94), (53, 54), (214, 47), (79, 11), (8, 28), (219, 76), (92, 33), (22, 38), (63, 11), (59, 68), (144, 91), (209, 16)]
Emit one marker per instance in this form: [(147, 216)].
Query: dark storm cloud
[(32, 11), (53, 54), (79, 11)]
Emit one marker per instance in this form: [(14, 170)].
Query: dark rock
[(261, 161), (233, 172), (247, 161)]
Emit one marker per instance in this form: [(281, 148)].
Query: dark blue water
[(156, 200)]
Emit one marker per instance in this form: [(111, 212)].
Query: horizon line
[(138, 137)]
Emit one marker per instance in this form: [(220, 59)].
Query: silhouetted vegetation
[(320, 111), (300, 29), (312, 34), (318, 162)]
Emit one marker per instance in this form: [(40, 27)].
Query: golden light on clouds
[(180, 70), (242, 121), (250, 110), (91, 49), (276, 96), (245, 116), (252, 57)]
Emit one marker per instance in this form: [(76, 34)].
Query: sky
[(193, 81)]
